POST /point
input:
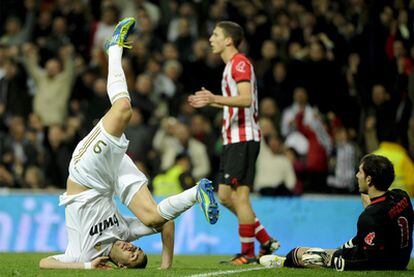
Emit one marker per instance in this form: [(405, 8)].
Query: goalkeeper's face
[(127, 255), (362, 180)]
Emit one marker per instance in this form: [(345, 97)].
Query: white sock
[(171, 207), (116, 87)]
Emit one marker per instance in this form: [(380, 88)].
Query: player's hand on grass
[(101, 263), (165, 266)]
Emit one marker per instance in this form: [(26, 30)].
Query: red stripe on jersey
[(378, 200), (231, 111), (242, 124), (256, 121)]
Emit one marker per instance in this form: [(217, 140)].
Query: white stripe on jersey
[(239, 124)]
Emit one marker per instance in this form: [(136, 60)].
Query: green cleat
[(121, 33), (205, 196)]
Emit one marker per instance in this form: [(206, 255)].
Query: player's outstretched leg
[(205, 196), (153, 215), (117, 118)]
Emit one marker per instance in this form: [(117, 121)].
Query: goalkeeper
[(384, 236), (99, 170)]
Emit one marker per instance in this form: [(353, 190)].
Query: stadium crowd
[(335, 80)]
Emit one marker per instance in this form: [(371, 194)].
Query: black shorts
[(238, 163)]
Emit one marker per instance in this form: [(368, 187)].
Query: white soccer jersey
[(94, 223), (239, 124)]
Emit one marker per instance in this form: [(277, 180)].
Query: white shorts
[(99, 162)]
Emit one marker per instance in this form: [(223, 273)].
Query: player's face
[(362, 183), (217, 40), (127, 254)]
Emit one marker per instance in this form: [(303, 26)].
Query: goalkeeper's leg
[(300, 257), (308, 257)]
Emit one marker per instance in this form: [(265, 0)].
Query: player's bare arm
[(167, 237), (51, 263), (205, 97)]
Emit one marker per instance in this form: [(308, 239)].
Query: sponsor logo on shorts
[(98, 246)]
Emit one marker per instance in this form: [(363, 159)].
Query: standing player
[(100, 169), (384, 237), (241, 137)]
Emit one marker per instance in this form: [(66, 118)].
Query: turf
[(26, 264)]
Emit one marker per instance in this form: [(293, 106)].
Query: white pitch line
[(228, 272)]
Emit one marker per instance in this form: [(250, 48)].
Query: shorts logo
[(98, 246), (241, 66), (101, 226), (226, 176), (369, 239)]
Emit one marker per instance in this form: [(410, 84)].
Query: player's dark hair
[(233, 30), (144, 262), (380, 169)]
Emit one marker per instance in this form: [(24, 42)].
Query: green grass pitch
[(26, 264)]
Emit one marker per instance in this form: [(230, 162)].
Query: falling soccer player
[(99, 170)]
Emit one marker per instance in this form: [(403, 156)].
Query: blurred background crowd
[(335, 81)]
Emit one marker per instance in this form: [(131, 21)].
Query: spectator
[(16, 34), (102, 29), (14, 94), (34, 178), (139, 136), (317, 156), (176, 179), (142, 96), (269, 57), (58, 38), (53, 84), (275, 174), (184, 25), (97, 105), (174, 138), (403, 165), (342, 164), (57, 157), (277, 85), (300, 102), (269, 109)]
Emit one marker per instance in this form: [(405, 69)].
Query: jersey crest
[(369, 239), (241, 66)]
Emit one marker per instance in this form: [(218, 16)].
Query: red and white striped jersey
[(239, 124)]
